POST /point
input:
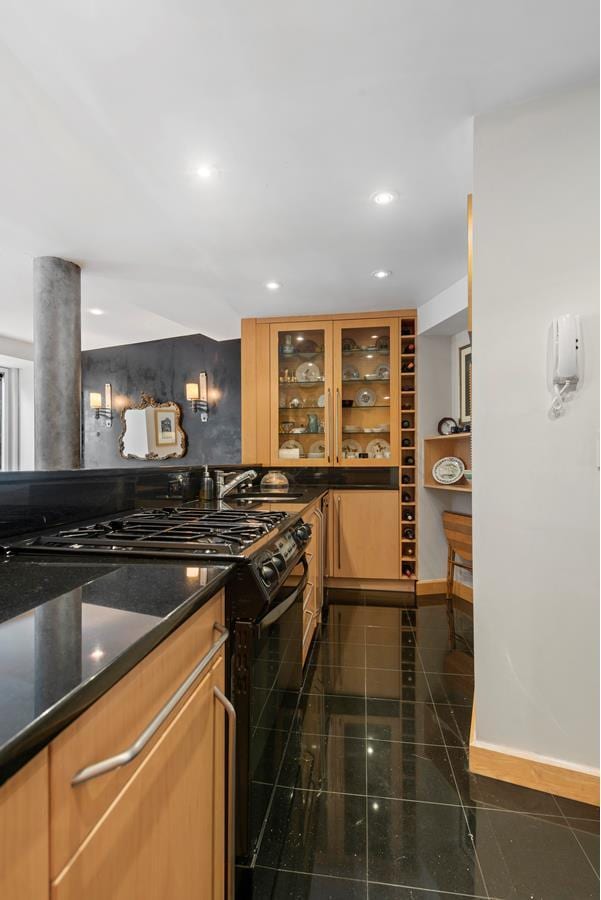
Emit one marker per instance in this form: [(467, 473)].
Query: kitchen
[(249, 647)]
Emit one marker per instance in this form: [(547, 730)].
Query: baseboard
[(540, 773), (373, 584), (439, 586)]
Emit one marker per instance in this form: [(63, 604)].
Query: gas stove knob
[(268, 572), (303, 533), (278, 561)]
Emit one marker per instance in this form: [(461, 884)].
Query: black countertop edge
[(32, 739)]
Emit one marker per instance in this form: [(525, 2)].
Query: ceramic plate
[(350, 446), (378, 448), (382, 372), (322, 400), (350, 373), (351, 429), (308, 371), (318, 448), (365, 397), (448, 470)]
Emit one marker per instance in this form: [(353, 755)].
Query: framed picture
[(165, 422), (465, 385)]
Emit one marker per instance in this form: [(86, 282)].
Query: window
[(9, 419)]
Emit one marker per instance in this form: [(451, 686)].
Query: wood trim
[(470, 258), (263, 420), (371, 584), (427, 587), (248, 354), (333, 317), (532, 771)]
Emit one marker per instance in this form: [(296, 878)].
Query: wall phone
[(565, 371)]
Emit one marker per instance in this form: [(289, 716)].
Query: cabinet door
[(366, 392), (301, 394), (24, 832), (163, 835), (365, 534)]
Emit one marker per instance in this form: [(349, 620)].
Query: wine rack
[(408, 448)]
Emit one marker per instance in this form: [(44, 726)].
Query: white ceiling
[(109, 106)]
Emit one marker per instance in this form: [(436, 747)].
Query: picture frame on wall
[(465, 385), (165, 423)]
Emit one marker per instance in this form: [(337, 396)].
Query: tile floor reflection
[(374, 798)]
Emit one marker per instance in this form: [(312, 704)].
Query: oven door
[(275, 668)]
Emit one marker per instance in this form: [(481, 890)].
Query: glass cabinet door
[(366, 378), (301, 394)]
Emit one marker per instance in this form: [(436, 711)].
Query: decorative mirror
[(152, 430)]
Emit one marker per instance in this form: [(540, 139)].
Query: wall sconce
[(197, 396), (105, 411)]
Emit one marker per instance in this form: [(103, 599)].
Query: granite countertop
[(70, 629)]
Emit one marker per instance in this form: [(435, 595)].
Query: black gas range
[(264, 599)]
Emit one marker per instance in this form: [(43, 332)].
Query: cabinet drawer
[(112, 724)]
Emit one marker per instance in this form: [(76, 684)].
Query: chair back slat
[(458, 532)]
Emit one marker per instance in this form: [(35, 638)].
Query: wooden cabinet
[(364, 535), (163, 834), (314, 595), (24, 832), (324, 391)]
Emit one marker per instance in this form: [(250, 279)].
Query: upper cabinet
[(366, 385), (324, 391), (301, 394)]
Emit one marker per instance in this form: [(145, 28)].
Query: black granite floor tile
[(398, 720), (400, 684), (338, 632), (455, 723), (325, 762), (589, 843), (333, 654), (477, 790), (410, 772), (329, 713), (276, 884), (421, 845), (390, 635), (394, 892), (316, 833), (458, 690), (572, 809), (525, 856), (346, 680), (391, 656)]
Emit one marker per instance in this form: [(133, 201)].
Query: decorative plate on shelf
[(383, 344), (308, 371), (317, 448), (448, 470), (295, 403), (348, 345), (365, 397), (350, 373), (378, 448), (321, 400), (350, 446), (382, 372)]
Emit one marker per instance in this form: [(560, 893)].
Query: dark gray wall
[(162, 368)]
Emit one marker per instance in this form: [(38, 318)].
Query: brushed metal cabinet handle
[(328, 423), (231, 798), (126, 756), (336, 424), (338, 511)]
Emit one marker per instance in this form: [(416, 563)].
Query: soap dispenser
[(207, 485)]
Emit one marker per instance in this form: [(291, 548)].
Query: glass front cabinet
[(334, 392)]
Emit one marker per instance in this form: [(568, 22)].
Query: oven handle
[(278, 611)]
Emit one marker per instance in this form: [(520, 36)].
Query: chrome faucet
[(223, 487)]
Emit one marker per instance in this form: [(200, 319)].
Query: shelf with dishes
[(447, 462)]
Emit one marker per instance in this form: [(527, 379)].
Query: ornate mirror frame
[(147, 401)]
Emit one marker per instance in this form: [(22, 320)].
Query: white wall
[(445, 313), (18, 355), (535, 498)]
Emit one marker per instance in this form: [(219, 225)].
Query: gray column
[(57, 362)]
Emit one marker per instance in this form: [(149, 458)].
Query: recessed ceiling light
[(94, 311), (382, 273), (273, 285), (207, 171), (384, 198)]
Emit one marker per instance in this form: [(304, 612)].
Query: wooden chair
[(458, 532)]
